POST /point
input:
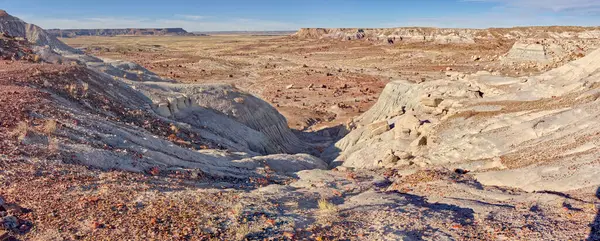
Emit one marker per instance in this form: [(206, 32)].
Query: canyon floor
[(314, 83)]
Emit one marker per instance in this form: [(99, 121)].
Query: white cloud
[(579, 6), (187, 22), (190, 17)]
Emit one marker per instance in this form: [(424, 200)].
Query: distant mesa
[(71, 33), (249, 33), (448, 35)]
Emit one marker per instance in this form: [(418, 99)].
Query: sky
[(269, 15)]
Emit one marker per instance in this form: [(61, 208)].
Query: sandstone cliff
[(449, 35), (70, 33)]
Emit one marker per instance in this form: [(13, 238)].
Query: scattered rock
[(10, 222), (163, 109), (403, 155), (390, 159), (239, 100), (344, 169)]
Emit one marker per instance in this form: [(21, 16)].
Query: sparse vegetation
[(21, 130), (174, 128), (72, 89), (326, 206), (53, 145), (50, 127), (85, 86), (243, 229), (328, 212), (237, 209)]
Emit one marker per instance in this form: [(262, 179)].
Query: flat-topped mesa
[(69, 33)]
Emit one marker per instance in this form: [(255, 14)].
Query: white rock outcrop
[(536, 135)]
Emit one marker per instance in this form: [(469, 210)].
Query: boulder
[(431, 101), (163, 109)]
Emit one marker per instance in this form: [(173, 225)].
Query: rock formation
[(450, 35), (535, 133), (16, 27), (209, 114)]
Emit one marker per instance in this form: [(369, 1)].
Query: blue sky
[(252, 15)]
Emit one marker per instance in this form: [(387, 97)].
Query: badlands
[(327, 134)]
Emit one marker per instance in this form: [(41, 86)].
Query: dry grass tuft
[(85, 87), (174, 128), (50, 127), (328, 212), (21, 130), (53, 145), (237, 209), (326, 206), (72, 88), (242, 231)]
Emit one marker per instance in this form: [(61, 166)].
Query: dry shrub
[(237, 209), (50, 127), (242, 230), (53, 145), (85, 87), (326, 206), (21, 130), (328, 212), (174, 128), (72, 88)]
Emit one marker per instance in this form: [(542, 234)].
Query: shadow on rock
[(323, 138)]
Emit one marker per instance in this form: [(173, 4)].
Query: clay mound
[(541, 132), (189, 102), (521, 52), (108, 115), (17, 28)]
